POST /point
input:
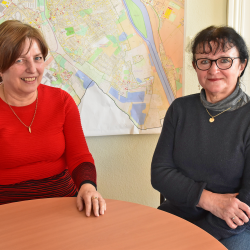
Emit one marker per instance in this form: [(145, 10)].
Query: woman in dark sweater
[(201, 163)]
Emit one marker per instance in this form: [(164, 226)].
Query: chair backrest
[(162, 199)]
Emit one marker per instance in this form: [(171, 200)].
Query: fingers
[(88, 205), (240, 210), (245, 208), (230, 223), (84, 200), (95, 202), (236, 220), (242, 216), (91, 200), (79, 203), (99, 205), (102, 205)]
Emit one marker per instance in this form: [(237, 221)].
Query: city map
[(120, 60)]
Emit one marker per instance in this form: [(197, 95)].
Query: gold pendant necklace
[(29, 127), (212, 117)]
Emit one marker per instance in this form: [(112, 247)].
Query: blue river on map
[(131, 96), (123, 37), (87, 82), (151, 45), (137, 108), (136, 112)]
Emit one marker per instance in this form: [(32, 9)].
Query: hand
[(225, 206), (90, 197)]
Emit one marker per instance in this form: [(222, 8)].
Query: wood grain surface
[(56, 224)]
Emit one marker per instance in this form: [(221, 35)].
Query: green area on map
[(137, 17), (43, 16), (82, 31), (82, 13), (70, 31), (112, 39), (140, 63), (40, 3), (61, 61), (97, 52), (58, 81), (117, 51), (88, 11), (52, 69), (174, 5), (47, 12), (178, 85), (122, 17)]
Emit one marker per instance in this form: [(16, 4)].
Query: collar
[(236, 100)]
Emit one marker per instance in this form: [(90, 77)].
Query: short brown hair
[(13, 34), (224, 38)]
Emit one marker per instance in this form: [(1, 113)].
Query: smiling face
[(24, 76), (219, 84)]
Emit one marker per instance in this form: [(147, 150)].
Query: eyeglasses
[(222, 63)]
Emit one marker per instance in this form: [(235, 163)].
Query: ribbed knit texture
[(84, 173), (56, 143), (56, 186), (234, 101), (193, 154)]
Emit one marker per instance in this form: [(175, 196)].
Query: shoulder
[(182, 106), (187, 98), (50, 90), (53, 93), (185, 102)]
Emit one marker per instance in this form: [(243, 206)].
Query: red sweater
[(56, 143)]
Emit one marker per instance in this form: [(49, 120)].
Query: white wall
[(199, 15), (123, 162), (238, 17)]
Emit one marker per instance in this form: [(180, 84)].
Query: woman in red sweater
[(43, 149)]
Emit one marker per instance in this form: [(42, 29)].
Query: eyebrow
[(23, 56), (217, 58)]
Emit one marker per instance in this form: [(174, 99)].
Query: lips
[(214, 79)]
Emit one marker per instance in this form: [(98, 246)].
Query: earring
[(239, 81), (199, 86)]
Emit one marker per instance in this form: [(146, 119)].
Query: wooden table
[(56, 224)]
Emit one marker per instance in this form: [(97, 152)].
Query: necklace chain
[(29, 127), (213, 116)]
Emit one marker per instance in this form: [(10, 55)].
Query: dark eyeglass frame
[(226, 57)]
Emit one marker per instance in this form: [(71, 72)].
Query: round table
[(55, 223)]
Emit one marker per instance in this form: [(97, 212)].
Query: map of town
[(121, 60)]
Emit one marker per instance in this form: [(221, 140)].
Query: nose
[(30, 66), (213, 68)]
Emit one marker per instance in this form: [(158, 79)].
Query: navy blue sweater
[(193, 154)]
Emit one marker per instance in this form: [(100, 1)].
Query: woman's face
[(24, 76), (217, 82)]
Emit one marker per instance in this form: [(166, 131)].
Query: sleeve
[(218, 227), (79, 160), (165, 176)]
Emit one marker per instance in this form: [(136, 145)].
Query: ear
[(194, 66), (242, 66)]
